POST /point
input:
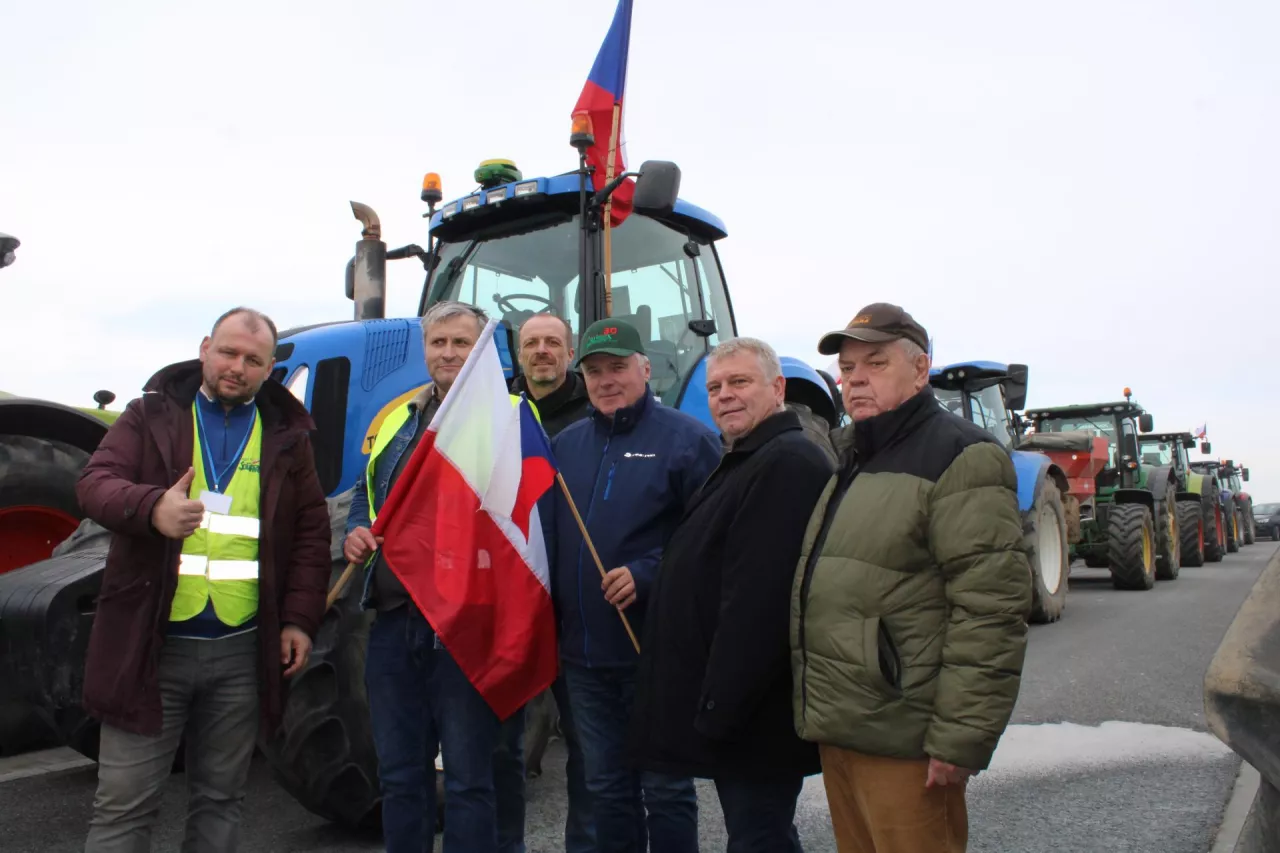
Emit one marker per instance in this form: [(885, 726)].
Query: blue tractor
[(988, 394), (515, 246)]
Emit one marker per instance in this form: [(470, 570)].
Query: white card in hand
[(214, 502)]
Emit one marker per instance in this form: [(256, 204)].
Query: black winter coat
[(714, 686)]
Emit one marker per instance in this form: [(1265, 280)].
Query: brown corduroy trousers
[(880, 805)]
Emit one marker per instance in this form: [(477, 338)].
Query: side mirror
[(1245, 474), (1146, 423), (1015, 387), (1205, 447), (103, 398), (1189, 443), (8, 245), (657, 188)]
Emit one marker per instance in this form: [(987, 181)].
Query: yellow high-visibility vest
[(390, 426), (220, 559)]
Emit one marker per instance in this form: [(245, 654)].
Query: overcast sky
[(1092, 188)]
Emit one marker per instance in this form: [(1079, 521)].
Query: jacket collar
[(873, 434), (626, 418), (572, 389), (765, 431), (428, 392), (181, 382)]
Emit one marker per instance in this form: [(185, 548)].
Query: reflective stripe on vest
[(390, 426), (219, 560)]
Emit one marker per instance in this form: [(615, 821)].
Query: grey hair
[(256, 319), (768, 358), (442, 311), (910, 349)]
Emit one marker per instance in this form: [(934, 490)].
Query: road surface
[(1108, 749)]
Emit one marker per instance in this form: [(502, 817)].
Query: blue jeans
[(759, 814), (634, 811), (509, 773), (419, 703)]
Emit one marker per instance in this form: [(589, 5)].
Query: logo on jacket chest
[(631, 455)]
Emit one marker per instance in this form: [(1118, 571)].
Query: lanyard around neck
[(213, 475)]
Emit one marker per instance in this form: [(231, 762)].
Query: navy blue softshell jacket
[(631, 477)]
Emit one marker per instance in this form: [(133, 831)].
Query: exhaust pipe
[(367, 271)]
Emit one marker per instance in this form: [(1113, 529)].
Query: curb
[(1242, 795), (41, 762)]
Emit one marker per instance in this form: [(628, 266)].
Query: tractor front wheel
[(1044, 534), (38, 505), (1250, 531), (1233, 529), (1191, 530), (1131, 546)]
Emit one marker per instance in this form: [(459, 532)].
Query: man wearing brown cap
[(909, 607)]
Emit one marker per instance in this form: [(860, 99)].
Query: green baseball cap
[(610, 337)]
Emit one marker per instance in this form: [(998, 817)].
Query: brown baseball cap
[(877, 323)]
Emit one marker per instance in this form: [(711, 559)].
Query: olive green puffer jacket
[(909, 607)]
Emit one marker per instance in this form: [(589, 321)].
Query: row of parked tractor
[(1098, 484)]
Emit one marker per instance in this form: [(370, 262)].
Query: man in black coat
[(713, 698)]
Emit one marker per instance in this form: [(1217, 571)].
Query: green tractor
[(1130, 523), (1236, 505), (1200, 522)]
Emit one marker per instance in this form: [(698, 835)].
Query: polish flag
[(462, 533)]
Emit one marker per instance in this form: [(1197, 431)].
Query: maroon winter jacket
[(146, 451)]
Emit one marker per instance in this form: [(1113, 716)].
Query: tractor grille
[(385, 350)]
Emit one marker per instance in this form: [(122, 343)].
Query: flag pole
[(608, 213), (591, 545), (337, 587)]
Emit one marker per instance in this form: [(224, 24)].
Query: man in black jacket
[(544, 348), (714, 693)]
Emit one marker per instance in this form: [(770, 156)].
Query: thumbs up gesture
[(175, 515)]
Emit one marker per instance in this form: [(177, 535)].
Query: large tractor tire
[(1215, 529), (38, 505), (1233, 527), (1250, 532), (1168, 539), (1191, 529), (1131, 545), (323, 753), (1045, 538)]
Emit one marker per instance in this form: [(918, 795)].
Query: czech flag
[(463, 536), (1201, 431), (603, 92)]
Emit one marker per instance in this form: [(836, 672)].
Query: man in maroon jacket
[(214, 586)]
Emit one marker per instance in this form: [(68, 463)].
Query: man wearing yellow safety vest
[(420, 703), (214, 585)]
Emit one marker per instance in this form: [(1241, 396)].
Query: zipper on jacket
[(582, 546), (608, 483), (828, 516)]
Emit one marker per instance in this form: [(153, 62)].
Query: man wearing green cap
[(631, 467), (908, 613)]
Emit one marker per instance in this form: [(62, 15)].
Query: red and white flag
[(462, 534)]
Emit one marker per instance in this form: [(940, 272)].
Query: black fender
[(1135, 496), (54, 421), (1160, 479), (1189, 497)]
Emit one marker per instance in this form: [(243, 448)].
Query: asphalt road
[(1107, 751)]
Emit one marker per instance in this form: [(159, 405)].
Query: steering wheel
[(504, 302)]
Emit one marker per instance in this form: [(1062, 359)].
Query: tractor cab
[(513, 248), (1169, 449), (985, 393), (1119, 423)]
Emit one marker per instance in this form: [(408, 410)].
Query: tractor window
[(1102, 426), (986, 409), (1156, 453), (952, 401), (656, 287)]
